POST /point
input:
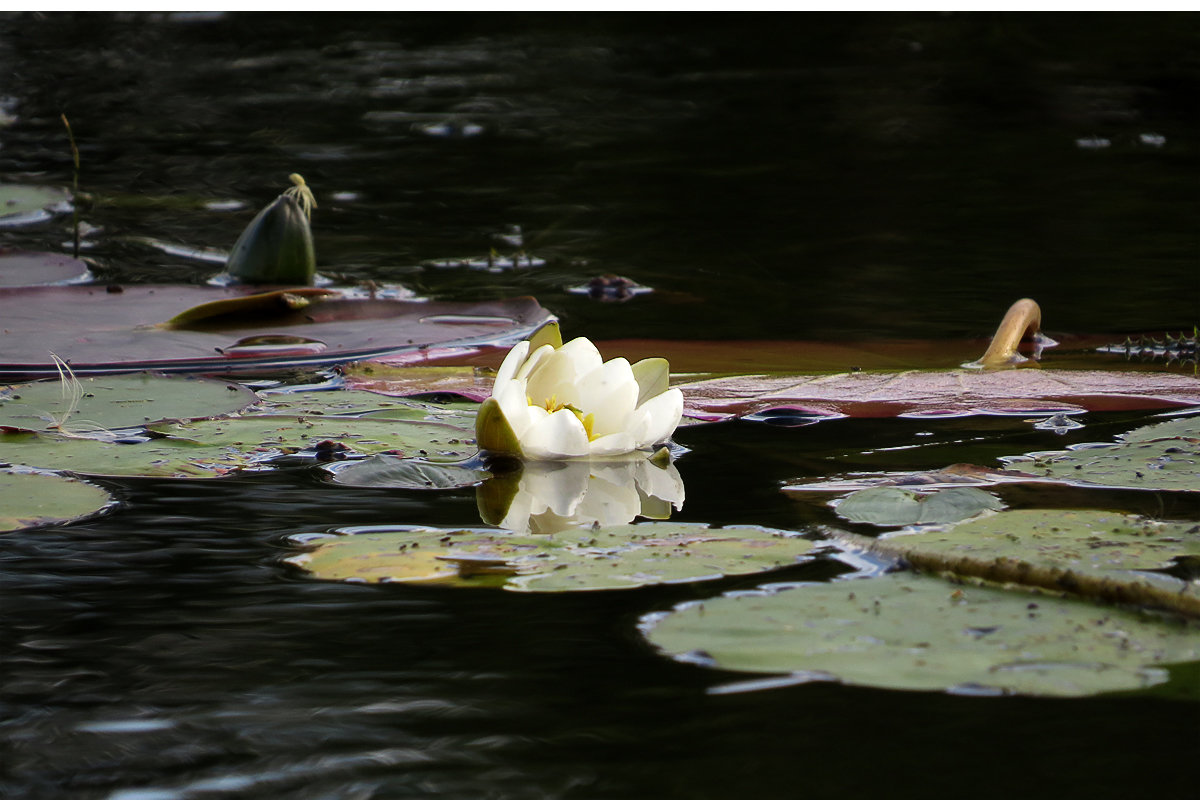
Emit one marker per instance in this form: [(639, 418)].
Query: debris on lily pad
[(578, 559), (893, 505), (913, 632), (33, 499), (117, 401), (1163, 457)]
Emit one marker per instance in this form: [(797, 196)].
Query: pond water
[(833, 177)]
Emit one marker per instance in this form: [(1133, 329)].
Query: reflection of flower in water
[(547, 497)]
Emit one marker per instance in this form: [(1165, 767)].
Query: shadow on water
[(806, 176)]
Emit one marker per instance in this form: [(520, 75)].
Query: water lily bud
[(277, 246), (561, 401)]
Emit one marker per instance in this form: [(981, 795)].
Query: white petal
[(534, 359), (511, 397), (512, 362), (553, 378), (584, 355), (613, 444), (662, 415), (559, 435), (610, 393)]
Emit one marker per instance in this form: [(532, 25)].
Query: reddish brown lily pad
[(21, 268), (101, 330), (946, 393)]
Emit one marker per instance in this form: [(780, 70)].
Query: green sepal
[(653, 376), (276, 247), (493, 433), (547, 334)]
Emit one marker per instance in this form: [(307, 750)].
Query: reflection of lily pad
[(390, 472), (611, 557), (23, 204), (118, 401), (1095, 553), (1165, 456), (905, 631), (209, 448), (31, 499), (892, 505)]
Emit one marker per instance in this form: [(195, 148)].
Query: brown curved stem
[(1023, 320)]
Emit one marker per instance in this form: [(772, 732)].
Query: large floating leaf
[(30, 499), (408, 381), (1099, 554), (892, 505), (41, 269), (117, 401), (905, 631), (101, 330), (578, 559), (22, 204), (430, 440), (1165, 456), (210, 448), (353, 403), (940, 393)]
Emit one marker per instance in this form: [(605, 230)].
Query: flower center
[(552, 405)]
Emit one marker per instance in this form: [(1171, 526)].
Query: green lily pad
[(1100, 554), (215, 447), (117, 401), (41, 269), (892, 505), (390, 472), (355, 403), (30, 499), (1165, 456), (429, 440), (907, 631), (22, 204), (578, 559)]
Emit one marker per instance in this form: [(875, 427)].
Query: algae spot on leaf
[(906, 631), (31, 499), (579, 559)]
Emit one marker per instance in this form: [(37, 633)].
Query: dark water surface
[(799, 177)]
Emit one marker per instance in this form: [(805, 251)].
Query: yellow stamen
[(551, 405)]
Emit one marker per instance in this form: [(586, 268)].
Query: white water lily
[(548, 497), (558, 401)]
